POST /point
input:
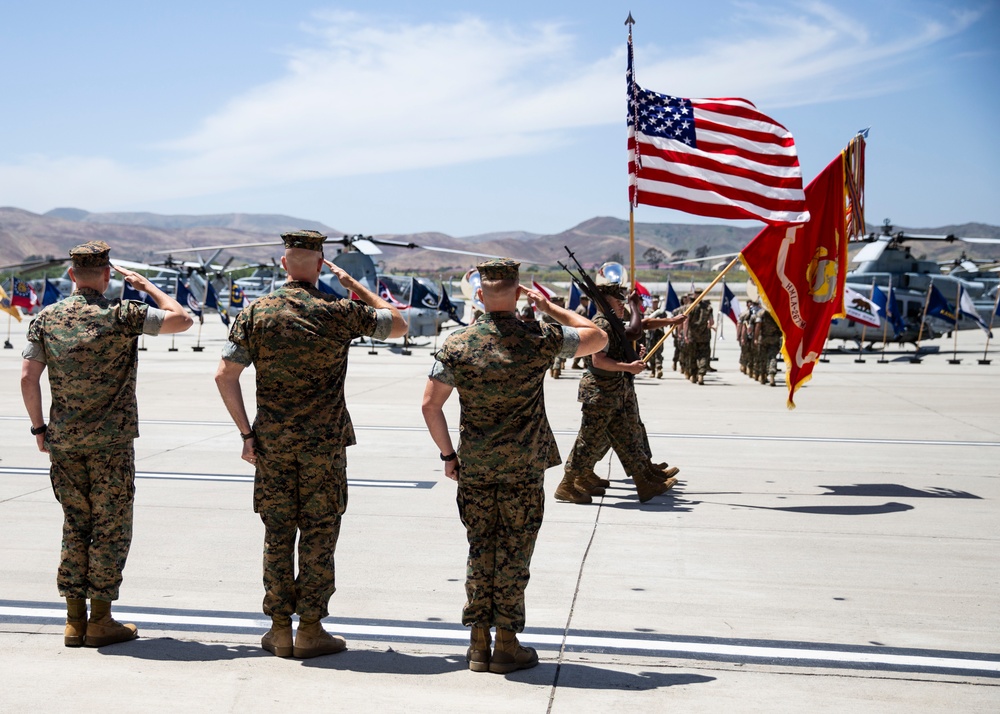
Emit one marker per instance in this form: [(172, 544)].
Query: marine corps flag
[(800, 270)]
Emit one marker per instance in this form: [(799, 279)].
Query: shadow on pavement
[(167, 649)]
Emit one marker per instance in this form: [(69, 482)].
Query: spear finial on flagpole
[(629, 21)]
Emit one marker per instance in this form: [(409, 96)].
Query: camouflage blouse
[(605, 388), (89, 345), (498, 364), (298, 339), (698, 322)]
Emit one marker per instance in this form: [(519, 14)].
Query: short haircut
[(89, 274), (498, 287)]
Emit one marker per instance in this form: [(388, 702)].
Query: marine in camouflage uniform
[(744, 336), (297, 338), (699, 336), (610, 416), (768, 339), (679, 342), (559, 363), (498, 366), (653, 337), (89, 345)]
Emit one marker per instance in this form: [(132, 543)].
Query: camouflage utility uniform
[(655, 361), (298, 339), (768, 346), (89, 346), (699, 335), (610, 418), (498, 366)]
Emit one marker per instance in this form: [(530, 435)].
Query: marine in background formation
[(297, 338), (90, 347), (653, 336), (498, 366), (767, 345), (698, 341), (558, 363)]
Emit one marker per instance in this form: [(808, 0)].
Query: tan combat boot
[(509, 655), (478, 654), (701, 379), (102, 629), (278, 640), (311, 640), (659, 372), (589, 484), (773, 381), (76, 622), (648, 487), (568, 492)]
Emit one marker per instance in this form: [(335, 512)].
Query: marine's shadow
[(569, 674), (573, 675), (167, 649)]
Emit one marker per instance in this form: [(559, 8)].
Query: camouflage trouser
[(96, 488), (652, 337), (304, 494), (620, 429), (501, 522), (767, 358), (630, 415), (701, 356)]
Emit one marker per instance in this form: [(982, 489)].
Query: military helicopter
[(887, 261), (417, 298)]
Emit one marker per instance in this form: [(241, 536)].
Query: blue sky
[(386, 117)]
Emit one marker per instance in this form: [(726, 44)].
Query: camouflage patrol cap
[(499, 269), (615, 290), (308, 240), (94, 254)]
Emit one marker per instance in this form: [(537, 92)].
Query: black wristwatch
[(450, 457), (249, 435), (39, 430)]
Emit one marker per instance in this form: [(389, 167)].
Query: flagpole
[(989, 335), (7, 345), (864, 328), (718, 329), (954, 350), (409, 314), (915, 359), (690, 307), (885, 327)]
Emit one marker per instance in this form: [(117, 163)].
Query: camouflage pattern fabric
[(604, 388), (769, 344), (298, 339), (96, 489), (501, 522), (498, 365), (90, 347), (303, 494), (610, 416), (652, 338)]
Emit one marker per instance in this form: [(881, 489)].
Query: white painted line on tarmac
[(237, 478), (989, 665), (652, 435)]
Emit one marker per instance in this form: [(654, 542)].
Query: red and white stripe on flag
[(549, 294), (713, 157)]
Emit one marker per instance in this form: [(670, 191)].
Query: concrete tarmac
[(839, 557)]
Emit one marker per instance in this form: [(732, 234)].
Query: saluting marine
[(89, 345), (297, 338), (498, 366)]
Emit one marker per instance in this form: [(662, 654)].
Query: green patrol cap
[(499, 269), (615, 290), (309, 240), (94, 254)]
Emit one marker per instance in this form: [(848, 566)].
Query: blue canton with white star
[(662, 115)]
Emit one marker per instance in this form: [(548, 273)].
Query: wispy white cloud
[(367, 97)]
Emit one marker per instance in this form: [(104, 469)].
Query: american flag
[(712, 157)]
